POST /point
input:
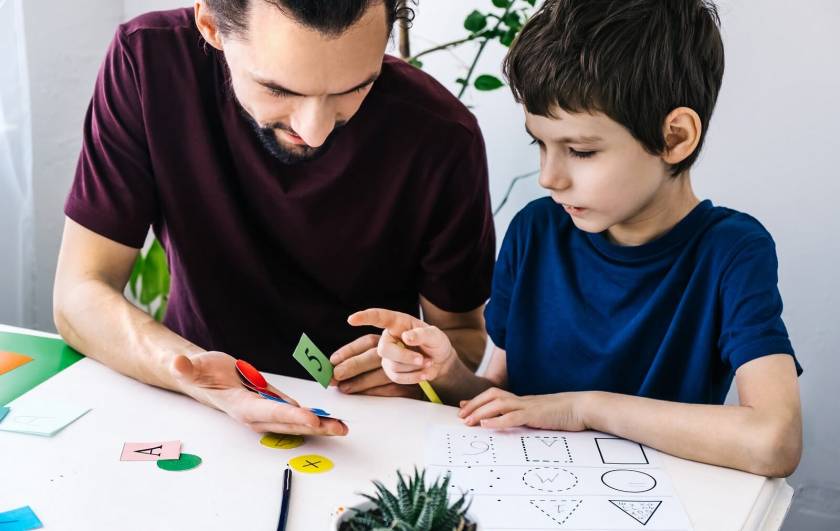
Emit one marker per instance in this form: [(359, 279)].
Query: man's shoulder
[(414, 94), (174, 20)]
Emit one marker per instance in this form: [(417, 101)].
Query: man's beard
[(302, 153)]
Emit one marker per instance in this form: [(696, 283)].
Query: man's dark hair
[(330, 17), (633, 60)]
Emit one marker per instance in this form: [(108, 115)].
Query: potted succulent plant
[(413, 506)]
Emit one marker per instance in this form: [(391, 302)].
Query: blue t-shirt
[(671, 319)]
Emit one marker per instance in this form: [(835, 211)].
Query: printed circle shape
[(624, 480)]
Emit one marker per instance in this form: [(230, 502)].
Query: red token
[(250, 373)]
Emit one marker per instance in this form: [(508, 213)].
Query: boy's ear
[(682, 131), (207, 25)]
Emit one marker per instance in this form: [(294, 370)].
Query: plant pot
[(343, 514)]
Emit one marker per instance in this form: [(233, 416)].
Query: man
[(294, 174)]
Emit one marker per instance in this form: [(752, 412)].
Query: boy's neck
[(673, 202)]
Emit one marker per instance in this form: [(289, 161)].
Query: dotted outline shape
[(559, 522), (565, 442), (449, 452), (575, 484)]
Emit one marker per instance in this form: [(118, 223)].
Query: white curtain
[(15, 164)]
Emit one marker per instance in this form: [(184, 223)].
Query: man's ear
[(207, 25), (682, 130)]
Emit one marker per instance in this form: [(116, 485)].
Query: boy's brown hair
[(633, 60)]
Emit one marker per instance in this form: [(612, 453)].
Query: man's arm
[(94, 317)]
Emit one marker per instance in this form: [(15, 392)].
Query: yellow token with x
[(311, 464)]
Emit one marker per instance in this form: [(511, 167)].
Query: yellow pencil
[(427, 388), (430, 392)]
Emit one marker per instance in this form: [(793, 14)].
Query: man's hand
[(210, 378), (358, 369)]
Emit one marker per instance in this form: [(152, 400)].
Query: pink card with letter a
[(151, 451)]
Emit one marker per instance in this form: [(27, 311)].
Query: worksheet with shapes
[(536, 479)]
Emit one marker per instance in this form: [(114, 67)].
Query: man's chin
[(288, 153)]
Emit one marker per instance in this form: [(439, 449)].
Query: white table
[(75, 479)]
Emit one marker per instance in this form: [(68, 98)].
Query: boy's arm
[(762, 435)]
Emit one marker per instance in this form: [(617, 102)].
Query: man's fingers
[(256, 409), (395, 322), (355, 347), (326, 427), (368, 361), (392, 389), (365, 381), (283, 395)]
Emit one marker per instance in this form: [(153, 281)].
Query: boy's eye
[(581, 154)]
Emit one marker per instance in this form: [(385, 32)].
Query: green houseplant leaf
[(475, 22), (487, 82)]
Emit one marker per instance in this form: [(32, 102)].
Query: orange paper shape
[(10, 361)]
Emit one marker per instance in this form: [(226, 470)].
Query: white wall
[(770, 152), (66, 42)]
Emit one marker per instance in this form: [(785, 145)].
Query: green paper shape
[(185, 462), (313, 360), (49, 357)]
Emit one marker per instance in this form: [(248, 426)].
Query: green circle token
[(185, 462)]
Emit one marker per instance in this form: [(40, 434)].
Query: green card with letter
[(313, 360)]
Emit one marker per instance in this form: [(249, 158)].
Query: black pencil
[(284, 506)]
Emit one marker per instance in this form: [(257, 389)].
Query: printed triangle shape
[(639, 510)]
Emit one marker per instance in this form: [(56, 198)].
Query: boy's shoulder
[(727, 230)]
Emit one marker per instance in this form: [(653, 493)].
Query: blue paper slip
[(19, 520)]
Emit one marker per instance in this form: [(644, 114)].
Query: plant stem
[(466, 82), (449, 45)]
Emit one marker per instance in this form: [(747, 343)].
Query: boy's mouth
[(573, 210)]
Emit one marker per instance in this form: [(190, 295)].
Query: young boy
[(622, 303)]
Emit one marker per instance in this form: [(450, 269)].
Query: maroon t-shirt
[(261, 251)]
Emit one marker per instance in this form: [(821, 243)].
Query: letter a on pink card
[(150, 451)]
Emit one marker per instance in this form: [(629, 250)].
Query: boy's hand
[(358, 369), (210, 378), (495, 408), (431, 354)]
